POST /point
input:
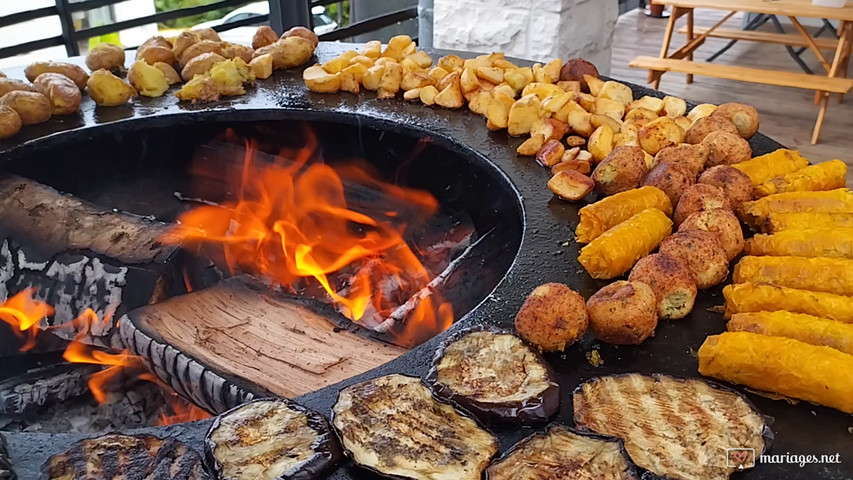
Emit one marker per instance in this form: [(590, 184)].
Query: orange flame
[(23, 312), (177, 409), (291, 221)]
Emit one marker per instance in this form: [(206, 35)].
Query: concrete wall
[(533, 29)]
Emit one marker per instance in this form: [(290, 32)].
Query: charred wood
[(6, 472), (44, 387)]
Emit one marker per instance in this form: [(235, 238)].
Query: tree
[(168, 5)]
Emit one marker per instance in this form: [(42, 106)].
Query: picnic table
[(681, 60)]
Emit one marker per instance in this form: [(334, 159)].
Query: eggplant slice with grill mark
[(393, 426), (673, 427), (271, 439), (125, 457), (562, 453), (496, 376)]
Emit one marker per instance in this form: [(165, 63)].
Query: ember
[(291, 221)]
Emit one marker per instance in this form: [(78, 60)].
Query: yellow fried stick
[(764, 167), (758, 297), (776, 222), (839, 200), (830, 275), (608, 212), (805, 328), (823, 176), (834, 242)]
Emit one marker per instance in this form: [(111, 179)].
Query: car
[(323, 23)]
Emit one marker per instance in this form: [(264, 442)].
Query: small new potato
[(723, 224), (553, 317), (576, 68), (74, 72), (670, 280), (660, 133), (108, 90), (264, 36), (697, 198), (147, 80), (623, 313), (674, 106), (200, 64), (155, 41), (744, 117), (304, 33), (703, 127), (726, 148), (235, 50), (155, 54), (200, 48), (10, 122), (183, 41), (32, 107), (736, 184), (61, 91), (208, 34), (172, 75), (671, 178), (12, 85), (701, 252), (691, 157), (622, 170), (105, 56), (288, 52)]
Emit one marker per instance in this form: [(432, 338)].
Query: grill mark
[(109, 463), (77, 458)]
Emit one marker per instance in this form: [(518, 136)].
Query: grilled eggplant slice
[(496, 376), (393, 426), (563, 453), (271, 439), (118, 457), (674, 428)]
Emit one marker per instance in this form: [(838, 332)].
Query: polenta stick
[(776, 222), (823, 176), (780, 162), (830, 275), (759, 297), (805, 328), (608, 212), (835, 243), (839, 200)]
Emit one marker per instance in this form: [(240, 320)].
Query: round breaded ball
[(723, 224), (622, 170), (670, 280), (553, 317), (726, 148), (736, 184), (671, 178), (623, 313), (701, 252), (691, 157), (744, 117), (697, 198), (703, 127)]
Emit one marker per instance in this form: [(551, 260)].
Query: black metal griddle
[(547, 254)]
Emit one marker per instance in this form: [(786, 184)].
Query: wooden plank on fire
[(240, 328)]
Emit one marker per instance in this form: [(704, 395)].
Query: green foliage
[(186, 22), (332, 11)]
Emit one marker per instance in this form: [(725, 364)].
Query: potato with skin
[(726, 149), (12, 85), (10, 122), (744, 117), (70, 70), (107, 56), (622, 170), (149, 81), (61, 91), (671, 178), (302, 32), (723, 224), (108, 90), (691, 157), (264, 36), (670, 280), (183, 41), (674, 107), (701, 111), (288, 52), (32, 107), (623, 313), (575, 69), (200, 48), (660, 133), (208, 34), (200, 64), (172, 75), (154, 53), (736, 184), (701, 252), (553, 317), (234, 50), (155, 41), (697, 198), (703, 127)]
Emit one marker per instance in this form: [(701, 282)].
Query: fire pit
[(135, 158)]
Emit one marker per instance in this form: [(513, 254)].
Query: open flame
[(291, 222), (23, 313)]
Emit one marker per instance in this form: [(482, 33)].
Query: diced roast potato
[(518, 78), (551, 153), (262, 66), (372, 77), (428, 95), (318, 80), (599, 120), (601, 142), (389, 84), (594, 83), (660, 133), (450, 96), (674, 106), (523, 113), (571, 185), (617, 92), (701, 111), (550, 128), (479, 103), (611, 108), (531, 146), (652, 104), (581, 122)]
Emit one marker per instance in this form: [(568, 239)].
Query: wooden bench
[(790, 39)]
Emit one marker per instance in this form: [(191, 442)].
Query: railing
[(283, 14)]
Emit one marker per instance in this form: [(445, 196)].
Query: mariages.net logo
[(742, 458)]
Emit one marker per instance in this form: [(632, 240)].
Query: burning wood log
[(44, 387), (215, 346)]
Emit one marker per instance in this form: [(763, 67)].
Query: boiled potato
[(184, 41), (389, 84), (200, 88), (230, 76), (200, 64), (172, 76), (74, 72), (147, 80), (10, 122), (108, 90), (208, 34), (200, 48), (601, 142), (155, 41), (155, 53), (106, 56), (32, 107), (264, 36), (674, 106), (744, 117), (524, 112), (302, 32), (234, 50), (318, 80), (61, 91), (616, 91), (11, 85), (288, 52), (660, 133)]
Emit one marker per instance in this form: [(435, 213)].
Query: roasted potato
[(518, 78), (523, 114), (736, 184), (288, 52), (230, 76), (154, 54), (640, 116), (611, 108), (623, 313), (10, 122), (701, 252), (155, 41), (697, 198), (429, 93), (576, 68), (172, 75), (553, 317), (450, 96), (32, 107), (580, 166), (200, 48), (550, 128), (601, 142), (629, 136), (200, 64), (262, 66), (147, 80), (702, 127), (622, 170), (318, 80), (691, 157), (671, 178), (571, 185), (208, 34), (723, 224), (108, 90), (616, 91), (74, 72), (303, 33), (531, 146), (652, 104), (660, 133), (107, 56), (389, 84), (674, 107), (744, 117), (373, 49), (201, 88), (235, 50), (701, 111), (61, 91), (184, 41), (11, 85), (575, 141), (264, 36), (670, 280), (726, 148), (581, 122), (594, 84), (551, 153)]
